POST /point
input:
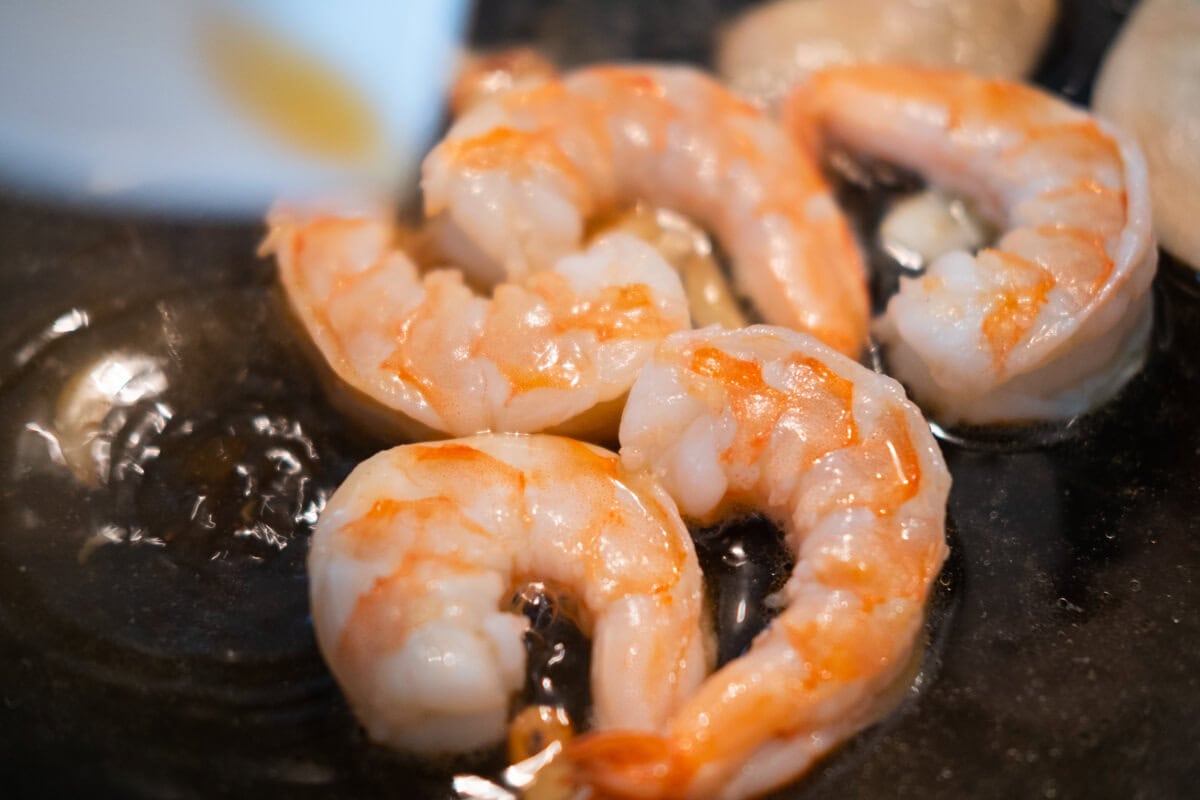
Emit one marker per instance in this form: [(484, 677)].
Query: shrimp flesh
[(1150, 85), (767, 418), (522, 175), (1052, 319), (415, 554), (772, 47), (690, 251), (557, 351)]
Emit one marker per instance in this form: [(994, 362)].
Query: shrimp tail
[(627, 765)]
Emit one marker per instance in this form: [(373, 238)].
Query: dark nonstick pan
[(154, 630)]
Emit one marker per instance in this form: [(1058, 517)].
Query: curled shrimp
[(767, 418), (521, 177), (488, 75), (1054, 317), (558, 350), (416, 552)]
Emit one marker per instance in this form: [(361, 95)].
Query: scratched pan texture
[(154, 637)]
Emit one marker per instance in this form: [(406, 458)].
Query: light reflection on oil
[(71, 321), (93, 407)]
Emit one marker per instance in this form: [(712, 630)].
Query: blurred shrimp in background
[(219, 106), (773, 46)]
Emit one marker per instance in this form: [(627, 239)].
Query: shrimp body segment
[(770, 419), (417, 551), (559, 349), (1053, 318), (522, 176)]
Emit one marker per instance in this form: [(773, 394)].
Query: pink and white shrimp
[(770, 419), (1052, 319), (558, 350), (418, 550), (521, 176)]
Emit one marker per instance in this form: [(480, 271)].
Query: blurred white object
[(187, 106)]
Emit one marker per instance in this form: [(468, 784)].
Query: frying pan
[(147, 651)]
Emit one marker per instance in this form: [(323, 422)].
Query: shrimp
[(1052, 319), (413, 556), (484, 76), (1150, 84), (557, 351), (686, 247), (774, 46), (767, 418), (522, 175)]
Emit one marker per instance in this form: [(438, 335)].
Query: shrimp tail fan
[(626, 765)]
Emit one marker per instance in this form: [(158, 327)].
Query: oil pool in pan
[(154, 638)]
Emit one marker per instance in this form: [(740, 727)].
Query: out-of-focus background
[(219, 106)]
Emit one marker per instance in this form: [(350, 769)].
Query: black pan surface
[(154, 637)]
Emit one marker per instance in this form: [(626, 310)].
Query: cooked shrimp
[(558, 350), (926, 224), (772, 47), (485, 76), (522, 175), (1053, 318), (771, 419), (414, 555), (1150, 85)]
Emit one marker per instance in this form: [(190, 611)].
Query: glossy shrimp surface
[(521, 176), (1053, 318), (769, 419), (557, 350), (417, 552)]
